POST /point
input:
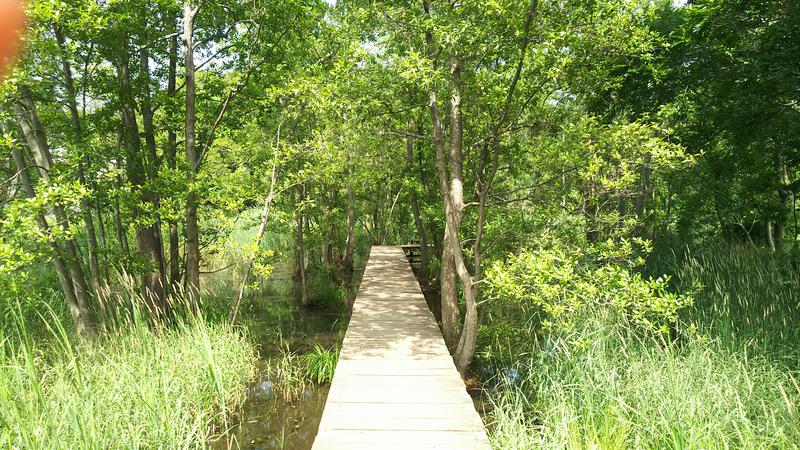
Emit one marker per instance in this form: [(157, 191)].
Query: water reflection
[(268, 421)]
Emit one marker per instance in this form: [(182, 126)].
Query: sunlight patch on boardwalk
[(395, 385)]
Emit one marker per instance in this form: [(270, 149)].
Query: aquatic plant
[(285, 371), (319, 364)]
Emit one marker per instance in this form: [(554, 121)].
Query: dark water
[(267, 420)]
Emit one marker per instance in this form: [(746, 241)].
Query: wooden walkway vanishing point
[(395, 386)]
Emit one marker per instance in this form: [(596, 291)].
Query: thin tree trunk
[(101, 228), (351, 227), (423, 240), (770, 237), (300, 252), (192, 242), (783, 198), (121, 232), (327, 250), (79, 320), (257, 245), (641, 198), (37, 142), (91, 236), (171, 156)]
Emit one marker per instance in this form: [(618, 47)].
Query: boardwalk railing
[(395, 386)]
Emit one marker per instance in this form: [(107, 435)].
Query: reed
[(141, 385)]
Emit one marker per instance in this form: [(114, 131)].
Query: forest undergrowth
[(725, 376)]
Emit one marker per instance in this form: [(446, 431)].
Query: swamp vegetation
[(603, 192)]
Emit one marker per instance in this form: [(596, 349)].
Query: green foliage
[(326, 293), (592, 131), (750, 296), (619, 392), (286, 373), (559, 285), (728, 380)]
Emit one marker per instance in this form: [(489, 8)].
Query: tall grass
[(749, 296), (290, 371), (729, 380), (134, 386)]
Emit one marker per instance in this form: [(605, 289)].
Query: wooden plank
[(377, 420), (417, 396), (401, 410), (380, 439), (395, 385), (404, 382)]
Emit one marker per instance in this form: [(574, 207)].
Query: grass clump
[(291, 371), (319, 364), (285, 371), (619, 392), (137, 388)]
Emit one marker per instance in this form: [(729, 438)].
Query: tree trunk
[(37, 142), (157, 252), (301, 253), (121, 232), (452, 196), (327, 249), (146, 232), (770, 237), (448, 294), (423, 240), (351, 227), (193, 158), (783, 198), (644, 186), (86, 209), (469, 333), (257, 244), (101, 228), (83, 323), (171, 156)]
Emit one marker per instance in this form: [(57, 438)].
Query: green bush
[(556, 285)]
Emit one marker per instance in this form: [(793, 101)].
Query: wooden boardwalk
[(395, 385)]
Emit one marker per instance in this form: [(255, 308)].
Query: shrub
[(556, 285)]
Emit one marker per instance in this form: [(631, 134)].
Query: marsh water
[(267, 421)]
